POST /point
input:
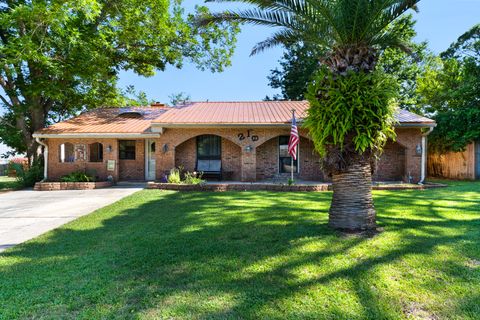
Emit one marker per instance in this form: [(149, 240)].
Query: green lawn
[(252, 255), (8, 183)]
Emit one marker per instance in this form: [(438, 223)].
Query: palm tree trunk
[(352, 204)]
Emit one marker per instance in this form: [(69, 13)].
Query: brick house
[(241, 141)]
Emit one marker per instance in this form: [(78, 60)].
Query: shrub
[(27, 177), (17, 163), (193, 178), (77, 176), (174, 176)]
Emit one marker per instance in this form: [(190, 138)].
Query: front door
[(150, 160), (477, 159)]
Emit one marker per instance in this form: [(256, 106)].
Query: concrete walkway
[(27, 214)]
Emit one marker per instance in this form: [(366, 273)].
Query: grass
[(252, 255), (7, 183)]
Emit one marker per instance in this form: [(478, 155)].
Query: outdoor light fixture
[(249, 148), (418, 149), (165, 148), (109, 149)]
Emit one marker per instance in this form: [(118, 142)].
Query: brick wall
[(134, 169), (253, 157), (186, 155), (267, 160), (56, 169), (391, 166), (409, 138), (231, 160), (309, 161)]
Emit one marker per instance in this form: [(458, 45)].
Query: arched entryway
[(211, 154), (273, 161), (391, 165)]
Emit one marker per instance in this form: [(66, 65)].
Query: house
[(241, 141), (456, 165)]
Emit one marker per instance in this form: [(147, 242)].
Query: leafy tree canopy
[(58, 57), (449, 90), (179, 98)]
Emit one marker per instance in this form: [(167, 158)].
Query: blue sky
[(440, 22)]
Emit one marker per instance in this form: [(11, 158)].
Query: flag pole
[(291, 158)]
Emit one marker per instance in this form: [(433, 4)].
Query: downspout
[(45, 158), (424, 155)]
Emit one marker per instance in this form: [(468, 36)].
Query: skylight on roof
[(130, 113)]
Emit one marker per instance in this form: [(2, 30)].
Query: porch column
[(249, 163)]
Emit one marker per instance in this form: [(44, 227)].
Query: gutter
[(45, 158), (95, 135), (424, 155)]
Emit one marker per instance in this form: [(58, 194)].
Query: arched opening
[(66, 153), (273, 160), (96, 152), (391, 165), (215, 156)]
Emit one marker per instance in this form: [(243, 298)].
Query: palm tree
[(353, 33)]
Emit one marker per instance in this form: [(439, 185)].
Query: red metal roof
[(108, 120), (124, 120), (251, 113), (255, 112)]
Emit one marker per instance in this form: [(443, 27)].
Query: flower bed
[(222, 187), (55, 186)]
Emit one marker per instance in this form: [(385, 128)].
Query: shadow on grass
[(228, 255)]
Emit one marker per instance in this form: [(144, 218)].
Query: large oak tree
[(58, 57)]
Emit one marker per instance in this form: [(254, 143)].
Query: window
[(127, 149), (67, 153), (285, 160), (96, 152), (209, 153)]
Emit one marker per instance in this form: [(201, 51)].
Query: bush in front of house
[(28, 176), (175, 177), (16, 165), (77, 176), (193, 178)]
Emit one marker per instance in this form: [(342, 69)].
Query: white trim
[(45, 159), (424, 156), (96, 135), (147, 143)]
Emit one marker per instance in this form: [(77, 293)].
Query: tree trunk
[(352, 206)]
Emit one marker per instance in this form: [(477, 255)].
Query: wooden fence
[(453, 165)]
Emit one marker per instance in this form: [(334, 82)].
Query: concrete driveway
[(27, 214)]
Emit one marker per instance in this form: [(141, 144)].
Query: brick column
[(164, 160), (249, 165), (113, 155)]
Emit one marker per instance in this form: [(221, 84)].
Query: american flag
[(294, 138)]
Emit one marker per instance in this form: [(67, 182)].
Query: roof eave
[(95, 135), (416, 125), (271, 125), (220, 125)]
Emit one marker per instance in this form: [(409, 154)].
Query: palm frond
[(339, 23), (282, 37)]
